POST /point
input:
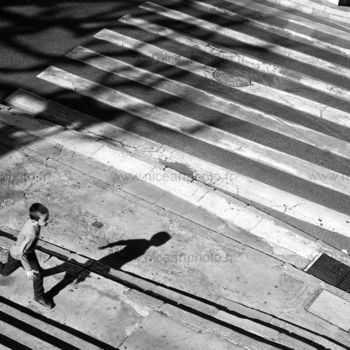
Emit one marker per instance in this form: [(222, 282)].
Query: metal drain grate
[(332, 272), (345, 283)]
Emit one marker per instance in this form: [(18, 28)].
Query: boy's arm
[(26, 244), (111, 245)]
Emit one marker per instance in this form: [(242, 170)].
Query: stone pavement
[(95, 314), (327, 9), (104, 229), (250, 100), (195, 160)]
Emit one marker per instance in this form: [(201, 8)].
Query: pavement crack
[(202, 196), (294, 206), (254, 227), (322, 111)]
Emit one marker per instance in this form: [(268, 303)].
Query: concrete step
[(128, 309), (297, 77), (239, 324), (16, 338), (159, 290), (37, 331)]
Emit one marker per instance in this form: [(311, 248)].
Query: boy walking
[(22, 253)]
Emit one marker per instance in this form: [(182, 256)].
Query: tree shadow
[(34, 33), (133, 249), (95, 110)]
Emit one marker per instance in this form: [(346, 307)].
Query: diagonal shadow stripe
[(35, 332), (42, 335), (12, 344)]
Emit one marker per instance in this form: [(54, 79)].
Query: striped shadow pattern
[(250, 100)]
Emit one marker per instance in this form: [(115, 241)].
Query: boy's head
[(39, 213), (160, 238)]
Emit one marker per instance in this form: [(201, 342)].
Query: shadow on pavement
[(133, 249), (11, 343), (39, 333)]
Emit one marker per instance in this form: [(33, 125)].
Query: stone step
[(260, 330), (122, 276), (41, 332)]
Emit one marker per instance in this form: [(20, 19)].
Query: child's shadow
[(134, 248)]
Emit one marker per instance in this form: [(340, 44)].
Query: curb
[(239, 323)]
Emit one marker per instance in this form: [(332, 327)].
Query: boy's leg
[(9, 267), (38, 284)]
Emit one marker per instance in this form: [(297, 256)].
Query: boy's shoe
[(49, 304), (4, 255)]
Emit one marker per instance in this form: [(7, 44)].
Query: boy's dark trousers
[(13, 264)]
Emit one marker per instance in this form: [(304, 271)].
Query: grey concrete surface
[(282, 69), (125, 227)]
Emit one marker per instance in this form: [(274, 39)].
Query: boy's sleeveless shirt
[(26, 241)]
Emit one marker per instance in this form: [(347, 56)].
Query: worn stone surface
[(159, 333), (188, 257), (95, 306), (333, 309)]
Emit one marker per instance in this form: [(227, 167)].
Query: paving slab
[(283, 238), (332, 308), (116, 229), (94, 307), (159, 333), (124, 229), (90, 313)]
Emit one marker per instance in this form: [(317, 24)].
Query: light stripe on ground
[(260, 25), (247, 39), (312, 7), (301, 104), (167, 57), (211, 101), (290, 100), (240, 186), (290, 17), (282, 238), (197, 130), (236, 57)]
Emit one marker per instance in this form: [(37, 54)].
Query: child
[(22, 253)]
